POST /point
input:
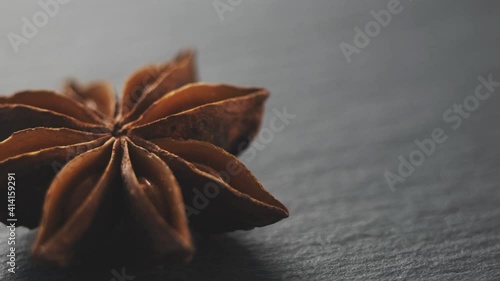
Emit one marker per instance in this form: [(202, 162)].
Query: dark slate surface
[(353, 121)]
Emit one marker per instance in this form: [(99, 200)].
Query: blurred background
[(366, 81)]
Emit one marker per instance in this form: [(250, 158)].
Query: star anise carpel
[(87, 164)]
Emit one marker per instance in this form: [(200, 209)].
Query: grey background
[(352, 122)]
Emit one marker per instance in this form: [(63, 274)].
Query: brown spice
[(142, 161)]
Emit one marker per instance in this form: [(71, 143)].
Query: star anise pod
[(86, 164)]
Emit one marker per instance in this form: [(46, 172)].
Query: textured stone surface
[(352, 122)]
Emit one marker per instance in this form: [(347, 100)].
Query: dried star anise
[(89, 164)]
